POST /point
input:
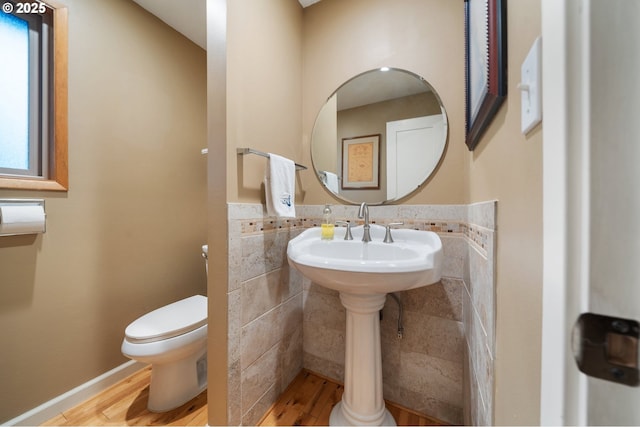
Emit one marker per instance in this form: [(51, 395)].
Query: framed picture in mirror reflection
[(361, 162), (485, 64)]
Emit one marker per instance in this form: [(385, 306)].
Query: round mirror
[(379, 137)]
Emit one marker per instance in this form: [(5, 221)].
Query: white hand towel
[(331, 181), (280, 186)]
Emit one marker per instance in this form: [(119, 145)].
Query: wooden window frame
[(58, 177)]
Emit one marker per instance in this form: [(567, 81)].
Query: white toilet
[(173, 339)]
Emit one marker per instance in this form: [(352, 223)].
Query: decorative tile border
[(264, 225), (255, 226), (478, 235)]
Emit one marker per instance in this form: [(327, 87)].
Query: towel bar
[(243, 151), (323, 175)]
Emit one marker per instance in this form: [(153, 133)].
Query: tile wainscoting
[(265, 316), (479, 313), (279, 321)]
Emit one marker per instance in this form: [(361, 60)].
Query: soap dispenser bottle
[(327, 226)]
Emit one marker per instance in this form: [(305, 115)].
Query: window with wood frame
[(33, 96)]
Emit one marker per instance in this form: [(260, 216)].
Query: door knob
[(607, 348)]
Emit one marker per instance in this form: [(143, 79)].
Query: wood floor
[(307, 401), (125, 403)]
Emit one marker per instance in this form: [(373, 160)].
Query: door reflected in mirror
[(379, 137)]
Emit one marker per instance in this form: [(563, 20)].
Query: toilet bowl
[(173, 339)]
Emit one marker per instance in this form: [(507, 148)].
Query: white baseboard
[(68, 400)]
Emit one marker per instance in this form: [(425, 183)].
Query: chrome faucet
[(364, 213)]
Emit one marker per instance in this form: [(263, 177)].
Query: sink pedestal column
[(362, 402)]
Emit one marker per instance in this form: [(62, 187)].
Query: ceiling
[(188, 17), (372, 87)]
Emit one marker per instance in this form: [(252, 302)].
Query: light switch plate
[(531, 88)]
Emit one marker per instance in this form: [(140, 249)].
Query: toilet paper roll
[(22, 219)]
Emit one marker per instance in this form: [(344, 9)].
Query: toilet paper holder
[(22, 216)]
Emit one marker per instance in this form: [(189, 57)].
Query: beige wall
[(109, 254), (126, 237), (264, 92), (255, 95), (264, 95), (345, 38), (217, 211), (507, 166), (325, 133)]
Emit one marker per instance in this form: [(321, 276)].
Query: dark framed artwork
[(361, 162), (485, 64)]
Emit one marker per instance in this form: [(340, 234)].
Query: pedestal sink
[(364, 273)]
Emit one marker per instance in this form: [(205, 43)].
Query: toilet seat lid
[(169, 321)]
